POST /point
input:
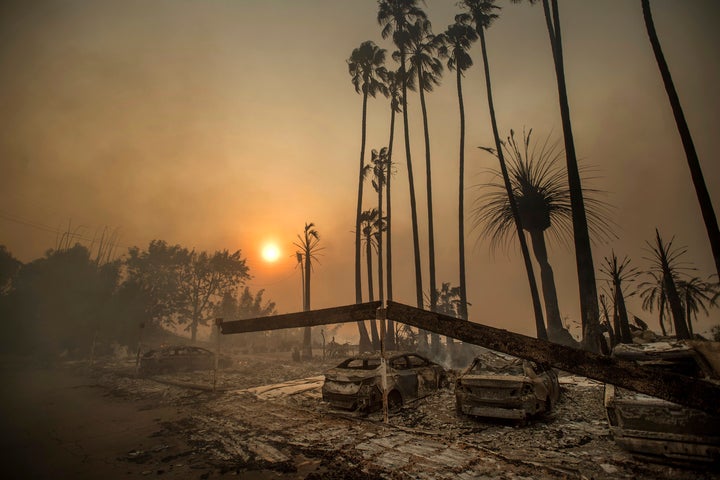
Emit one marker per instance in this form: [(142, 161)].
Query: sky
[(230, 124)]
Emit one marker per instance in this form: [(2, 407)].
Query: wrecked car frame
[(500, 386), (658, 430), (179, 358), (356, 383)]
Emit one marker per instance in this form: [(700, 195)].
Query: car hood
[(495, 381), (351, 376)]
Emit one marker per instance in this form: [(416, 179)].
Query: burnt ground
[(267, 420)]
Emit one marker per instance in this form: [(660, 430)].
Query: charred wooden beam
[(311, 318), (666, 385)]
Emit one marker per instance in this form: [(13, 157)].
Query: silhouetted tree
[(696, 295), (9, 266), (665, 263), (308, 243), (395, 17), (366, 69), (369, 222), (481, 13), (652, 293), (619, 273), (581, 235), (455, 43), (703, 196)]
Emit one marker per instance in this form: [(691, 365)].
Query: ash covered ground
[(267, 420)]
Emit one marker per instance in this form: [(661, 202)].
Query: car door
[(404, 377), (424, 373)]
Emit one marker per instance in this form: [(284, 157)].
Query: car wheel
[(394, 401)]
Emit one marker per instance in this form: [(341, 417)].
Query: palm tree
[(394, 88), (380, 164), (653, 294), (665, 264), (583, 251), (308, 244), (366, 69), (619, 273), (455, 44), (369, 222), (481, 13), (543, 200), (703, 196), (696, 295), (395, 17), (422, 49)]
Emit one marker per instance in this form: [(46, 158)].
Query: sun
[(270, 252)]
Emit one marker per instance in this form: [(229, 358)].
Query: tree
[(703, 196), (619, 273), (696, 294), (395, 17), (652, 293), (394, 88), (422, 50), (540, 188), (481, 13), (9, 266), (369, 222), (366, 69), (203, 280), (455, 44), (666, 265), (581, 235), (308, 243)]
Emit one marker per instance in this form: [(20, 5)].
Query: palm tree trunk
[(411, 183), (662, 313), (539, 321), (428, 182), (358, 275), (463, 310), (611, 329), (547, 281), (583, 251), (390, 333), (703, 196), (371, 290), (307, 334), (624, 324), (688, 314), (381, 293)]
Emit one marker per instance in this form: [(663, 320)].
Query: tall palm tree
[(424, 64), (395, 17), (380, 165), (652, 293), (696, 294), (666, 264), (365, 66), (481, 13), (583, 252), (619, 273), (369, 222), (394, 88), (455, 43), (543, 199), (703, 196), (308, 243)]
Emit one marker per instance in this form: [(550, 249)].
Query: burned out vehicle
[(356, 384), (180, 358), (658, 430), (505, 387)]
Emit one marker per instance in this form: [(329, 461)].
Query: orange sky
[(219, 125)]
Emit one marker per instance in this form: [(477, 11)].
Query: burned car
[(505, 387), (180, 358), (658, 430), (356, 384)]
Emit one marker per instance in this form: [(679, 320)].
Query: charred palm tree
[(395, 17), (481, 14), (666, 263), (424, 64), (369, 222), (394, 86), (703, 196), (308, 243), (696, 295), (592, 337), (366, 69), (619, 273), (455, 46), (652, 293)]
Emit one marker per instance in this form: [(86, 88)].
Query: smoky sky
[(225, 124)]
